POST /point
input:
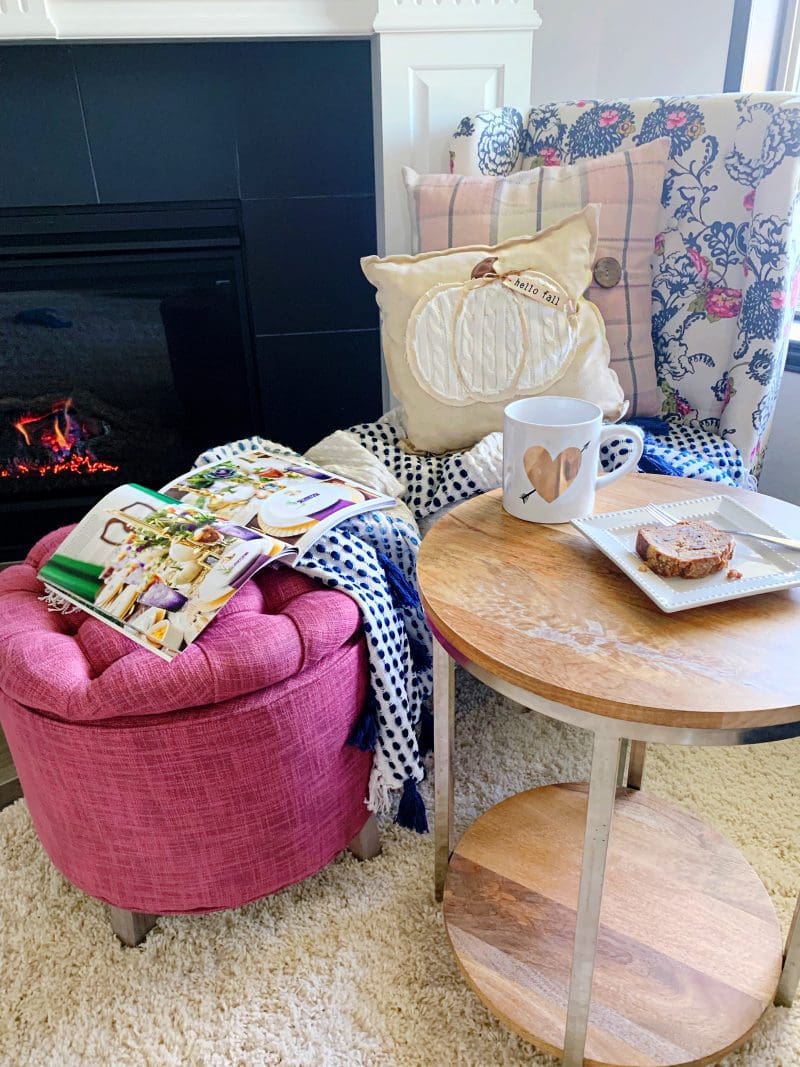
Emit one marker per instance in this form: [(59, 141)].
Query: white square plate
[(763, 567)]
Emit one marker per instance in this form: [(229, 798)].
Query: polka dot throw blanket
[(372, 558), (435, 482)]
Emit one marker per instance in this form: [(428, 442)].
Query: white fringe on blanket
[(56, 602)]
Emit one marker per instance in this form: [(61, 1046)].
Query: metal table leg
[(790, 975), (622, 768), (636, 765), (599, 813), (443, 737)]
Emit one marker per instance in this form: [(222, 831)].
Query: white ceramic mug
[(551, 457)]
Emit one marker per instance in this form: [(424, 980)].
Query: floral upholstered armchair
[(727, 258)]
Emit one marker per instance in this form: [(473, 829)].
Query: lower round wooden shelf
[(689, 952)]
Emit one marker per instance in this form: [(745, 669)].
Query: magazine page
[(158, 569), (276, 496)]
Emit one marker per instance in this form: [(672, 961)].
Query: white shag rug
[(351, 967)]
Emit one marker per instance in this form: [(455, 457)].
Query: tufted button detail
[(76, 668)]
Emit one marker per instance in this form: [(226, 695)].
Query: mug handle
[(629, 433)]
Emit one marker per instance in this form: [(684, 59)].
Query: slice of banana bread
[(690, 549)]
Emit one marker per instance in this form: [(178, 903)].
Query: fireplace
[(124, 349), (160, 209)]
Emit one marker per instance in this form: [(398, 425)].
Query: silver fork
[(782, 542)]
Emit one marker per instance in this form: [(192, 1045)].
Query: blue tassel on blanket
[(404, 595), (411, 811), (420, 654), (364, 734), (650, 424), (653, 463), (425, 739)]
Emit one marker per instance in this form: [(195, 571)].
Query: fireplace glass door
[(114, 368)]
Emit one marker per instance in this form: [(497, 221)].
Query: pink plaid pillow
[(451, 210)]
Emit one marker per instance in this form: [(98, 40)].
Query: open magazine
[(160, 565)]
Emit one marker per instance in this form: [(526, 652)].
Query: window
[(788, 50), (788, 79)]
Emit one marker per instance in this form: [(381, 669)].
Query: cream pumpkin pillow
[(467, 330)]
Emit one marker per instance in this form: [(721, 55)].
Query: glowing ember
[(56, 442)]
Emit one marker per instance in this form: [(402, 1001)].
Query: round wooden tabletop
[(542, 608)]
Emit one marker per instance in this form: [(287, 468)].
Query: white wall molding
[(141, 20), (25, 20), (435, 61), (452, 16)]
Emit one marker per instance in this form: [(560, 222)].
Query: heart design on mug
[(551, 477)]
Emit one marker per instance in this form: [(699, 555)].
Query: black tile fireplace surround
[(162, 211)]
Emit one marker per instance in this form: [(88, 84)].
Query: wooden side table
[(656, 944)]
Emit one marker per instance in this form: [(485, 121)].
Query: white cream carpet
[(351, 967)]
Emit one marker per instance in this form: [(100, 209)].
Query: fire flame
[(60, 441), (20, 425)]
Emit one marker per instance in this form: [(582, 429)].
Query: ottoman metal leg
[(790, 975), (131, 927), (443, 738), (599, 813), (367, 842)]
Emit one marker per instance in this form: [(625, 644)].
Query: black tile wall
[(301, 106), (45, 157), (285, 127), (313, 384), (160, 120), (303, 263)]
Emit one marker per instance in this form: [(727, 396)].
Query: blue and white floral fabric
[(727, 258)]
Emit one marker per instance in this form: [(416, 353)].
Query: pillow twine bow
[(486, 271)]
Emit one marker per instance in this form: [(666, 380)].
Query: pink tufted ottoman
[(194, 785)]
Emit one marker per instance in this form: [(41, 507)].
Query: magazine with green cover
[(159, 566)]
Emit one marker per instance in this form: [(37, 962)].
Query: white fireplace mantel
[(139, 20)]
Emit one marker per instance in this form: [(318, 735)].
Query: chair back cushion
[(725, 279), (451, 210)]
